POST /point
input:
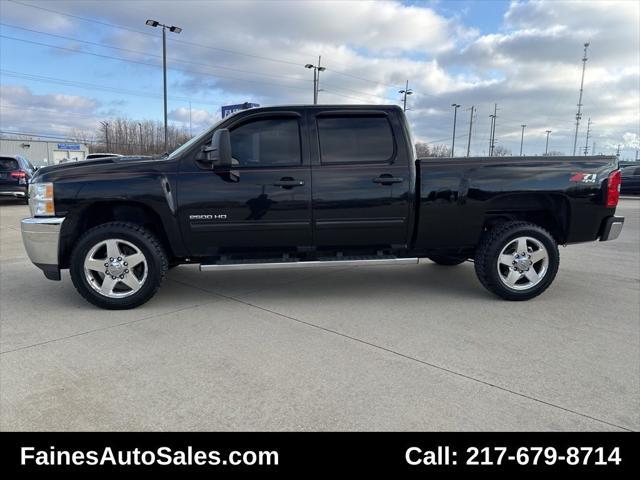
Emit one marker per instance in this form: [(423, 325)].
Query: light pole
[(522, 138), (405, 92), (455, 116), (546, 148), (174, 29), (316, 78)]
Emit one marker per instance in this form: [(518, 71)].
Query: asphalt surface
[(363, 348)]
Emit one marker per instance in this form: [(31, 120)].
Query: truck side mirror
[(219, 153)]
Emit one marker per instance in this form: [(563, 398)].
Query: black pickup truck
[(305, 186)]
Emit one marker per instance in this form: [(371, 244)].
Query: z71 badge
[(583, 178)]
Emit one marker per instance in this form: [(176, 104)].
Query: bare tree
[(424, 150), (501, 151), (134, 137)]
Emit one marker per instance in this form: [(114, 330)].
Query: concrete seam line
[(53, 340), (432, 365)]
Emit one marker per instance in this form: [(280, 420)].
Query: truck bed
[(458, 195)]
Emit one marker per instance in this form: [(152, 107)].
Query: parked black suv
[(15, 174), (630, 181), (305, 186)]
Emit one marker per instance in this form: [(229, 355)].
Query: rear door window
[(8, 164), (355, 139)]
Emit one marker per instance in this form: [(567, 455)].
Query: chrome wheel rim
[(523, 263), (115, 268)]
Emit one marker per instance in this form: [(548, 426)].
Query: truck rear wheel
[(447, 260), (118, 265), (517, 260)]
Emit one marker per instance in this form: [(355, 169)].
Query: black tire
[(155, 256), (495, 240), (447, 260)]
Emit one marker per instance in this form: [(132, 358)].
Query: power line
[(288, 77), (66, 139), (111, 25), (462, 135), (92, 86), (44, 110), (173, 59), (110, 57), (210, 47), (362, 78)]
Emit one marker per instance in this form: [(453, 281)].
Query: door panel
[(262, 203), (350, 209), (361, 181), (218, 215)]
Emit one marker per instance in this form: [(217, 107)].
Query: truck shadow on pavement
[(429, 281)]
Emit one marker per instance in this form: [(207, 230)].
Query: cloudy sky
[(67, 64)]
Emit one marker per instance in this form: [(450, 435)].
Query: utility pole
[(405, 92), (455, 116), (546, 148), (190, 132), (579, 112), (618, 151), (491, 133), (492, 142), (174, 29), (141, 146), (586, 142), (106, 134), (522, 138), (470, 129)]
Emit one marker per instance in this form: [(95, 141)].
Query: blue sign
[(68, 146), (230, 109)]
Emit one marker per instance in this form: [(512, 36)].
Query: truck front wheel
[(118, 265), (517, 260)]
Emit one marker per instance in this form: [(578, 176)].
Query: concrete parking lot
[(363, 348)]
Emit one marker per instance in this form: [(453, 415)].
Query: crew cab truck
[(306, 186)]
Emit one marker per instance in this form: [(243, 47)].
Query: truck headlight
[(41, 200)]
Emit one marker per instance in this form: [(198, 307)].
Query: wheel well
[(103, 212), (548, 211)]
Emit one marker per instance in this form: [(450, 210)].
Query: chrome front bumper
[(41, 238)]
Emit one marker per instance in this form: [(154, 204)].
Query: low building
[(41, 153)]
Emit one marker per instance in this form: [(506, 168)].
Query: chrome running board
[(332, 262)]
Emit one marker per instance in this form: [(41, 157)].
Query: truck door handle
[(288, 182), (387, 179)]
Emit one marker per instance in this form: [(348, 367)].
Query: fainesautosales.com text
[(137, 457)]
